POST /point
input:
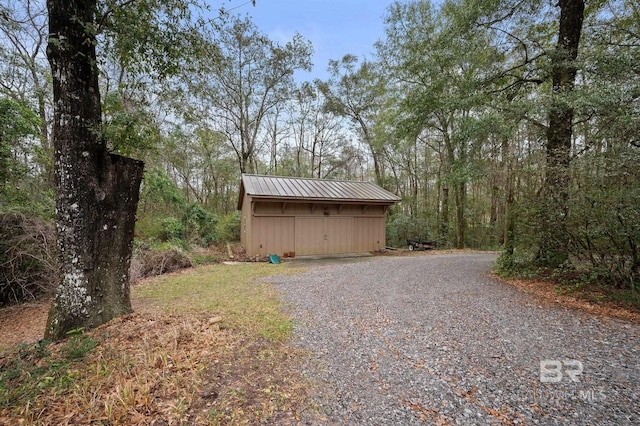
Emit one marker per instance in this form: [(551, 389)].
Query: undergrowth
[(205, 346), (591, 285)]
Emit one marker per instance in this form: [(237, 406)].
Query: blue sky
[(334, 27)]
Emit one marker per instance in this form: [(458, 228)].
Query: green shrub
[(228, 228), (171, 229), (199, 224), (401, 227)]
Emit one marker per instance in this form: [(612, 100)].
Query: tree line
[(506, 124)]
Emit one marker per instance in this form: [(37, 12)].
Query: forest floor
[(593, 300), (205, 345)]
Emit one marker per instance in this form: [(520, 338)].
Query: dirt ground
[(22, 323), (25, 323)]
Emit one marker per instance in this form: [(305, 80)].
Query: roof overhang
[(386, 198), (319, 200)]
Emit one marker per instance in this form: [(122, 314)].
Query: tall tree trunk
[(96, 192), (461, 195), (509, 206), (444, 216), (510, 219), (554, 237), (375, 155), (493, 210)]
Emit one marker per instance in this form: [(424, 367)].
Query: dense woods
[(511, 125)]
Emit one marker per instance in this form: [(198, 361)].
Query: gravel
[(433, 339)]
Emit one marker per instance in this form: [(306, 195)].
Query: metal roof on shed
[(313, 189)]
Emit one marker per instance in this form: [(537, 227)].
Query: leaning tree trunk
[(554, 237), (96, 192)]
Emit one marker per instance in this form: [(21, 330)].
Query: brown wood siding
[(323, 235), (368, 234), (273, 208), (308, 231), (309, 236), (339, 235), (272, 235)]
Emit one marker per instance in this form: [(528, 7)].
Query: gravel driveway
[(431, 339)]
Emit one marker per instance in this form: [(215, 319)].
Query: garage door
[(273, 235), (369, 233), (323, 235)]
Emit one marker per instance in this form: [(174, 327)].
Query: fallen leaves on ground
[(548, 292), (167, 369), (205, 346), (22, 323)]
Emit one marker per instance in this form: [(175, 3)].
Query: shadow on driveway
[(336, 259)]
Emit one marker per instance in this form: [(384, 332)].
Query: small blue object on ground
[(273, 258)]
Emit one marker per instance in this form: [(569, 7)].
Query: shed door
[(339, 235), (323, 235), (273, 235), (309, 235)]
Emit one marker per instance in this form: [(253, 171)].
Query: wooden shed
[(285, 215)]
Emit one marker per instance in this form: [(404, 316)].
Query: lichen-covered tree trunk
[(554, 237), (96, 192)]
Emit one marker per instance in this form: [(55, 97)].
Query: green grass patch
[(234, 292), (32, 369)]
